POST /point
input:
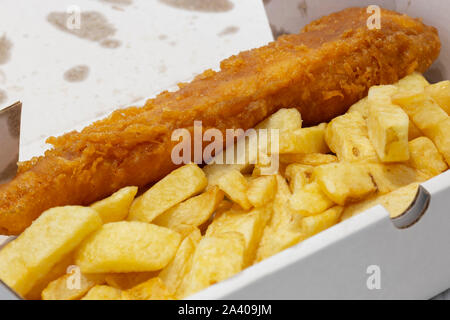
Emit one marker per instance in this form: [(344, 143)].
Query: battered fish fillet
[(321, 71)]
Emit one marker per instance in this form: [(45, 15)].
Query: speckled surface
[(129, 50)]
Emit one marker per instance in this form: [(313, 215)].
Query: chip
[(389, 177), (176, 187), (388, 131), (425, 157), (261, 190), (362, 107), (216, 258), (395, 202), (283, 119), (57, 232), (298, 176), (347, 136), (235, 186), (193, 211), (345, 182), (250, 225), (284, 227), (441, 138), (102, 292), (172, 275), (127, 247), (310, 200), (314, 224), (381, 95), (423, 111), (411, 85), (71, 286), (304, 140), (153, 289), (56, 272), (440, 92), (117, 206)]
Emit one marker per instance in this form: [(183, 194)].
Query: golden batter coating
[(321, 71)]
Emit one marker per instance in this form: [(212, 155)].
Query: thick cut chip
[(441, 138), (283, 119), (298, 175), (284, 227), (431, 119), (423, 111), (410, 103), (315, 224), (102, 292), (282, 215), (304, 140), (127, 247), (124, 281), (215, 171), (389, 177), (215, 259), (425, 157), (381, 95), (428, 117), (362, 107), (395, 202), (345, 182), (262, 190), (440, 92), (57, 271), (224, 206), (57, 232), (250, 225), (153, 289), (235, 186), (193, 211), (177, 186), (173, 274), (116, 207), (310, 200), (275, 240), (388, 131), (347, 136), (410, 85), (71, 286), (310, 159), (399, 200)]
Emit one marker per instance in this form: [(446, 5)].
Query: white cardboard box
[(412, 262)]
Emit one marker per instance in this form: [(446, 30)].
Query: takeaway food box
[(369, 256)]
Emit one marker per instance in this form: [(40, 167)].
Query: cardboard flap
[(9, 141)]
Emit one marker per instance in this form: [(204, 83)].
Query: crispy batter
[(321, 71)]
